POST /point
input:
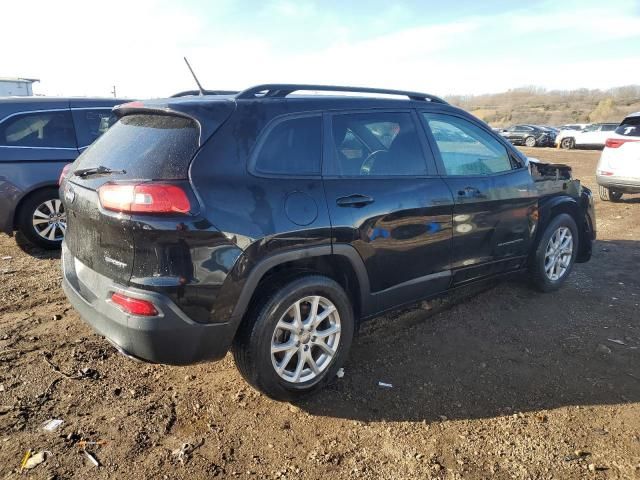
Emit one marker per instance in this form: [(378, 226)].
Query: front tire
[(42, 219), (295, 341), (555, 254), (530, 142)]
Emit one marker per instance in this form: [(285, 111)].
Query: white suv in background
[(618, 170), (592, 136)]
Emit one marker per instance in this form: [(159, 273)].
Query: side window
[(292, 147), (90, 124), (376, 144), (608, 128), (467, 149), (39, 129)]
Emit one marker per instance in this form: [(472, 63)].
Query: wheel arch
[(555, 206), (340, 263)]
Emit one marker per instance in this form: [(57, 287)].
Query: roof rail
[(277, 90), (206, 92)]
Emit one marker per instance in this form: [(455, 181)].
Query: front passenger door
[(494, 198)]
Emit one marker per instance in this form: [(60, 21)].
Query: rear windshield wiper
[(101, 170)]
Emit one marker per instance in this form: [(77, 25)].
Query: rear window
[(630, 127), (146, 147)]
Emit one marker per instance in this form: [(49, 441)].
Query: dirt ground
[(502, 383)]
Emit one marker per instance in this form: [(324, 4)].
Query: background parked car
[(573, 126), (618, 170), (529, 135), (592, 136), (38, 137)]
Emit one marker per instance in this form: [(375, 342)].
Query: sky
[(442, 47)]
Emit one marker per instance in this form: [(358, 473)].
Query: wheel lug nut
[(306, 347), (313, 339)]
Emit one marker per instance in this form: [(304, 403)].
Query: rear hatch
[(622, 151), (149, 144)]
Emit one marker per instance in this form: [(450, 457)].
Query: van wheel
[(530, 141), (296, 340), (42, 219), (607, 194), (555, 254), (567, 143)]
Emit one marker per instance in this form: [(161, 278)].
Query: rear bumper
[(622, 184), (171, 337)]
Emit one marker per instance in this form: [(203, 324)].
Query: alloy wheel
[(49, 220), (558, 254), (305, 339)]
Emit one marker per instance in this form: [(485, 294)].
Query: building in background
[(11, 87)]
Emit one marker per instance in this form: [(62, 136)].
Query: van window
[(465, 148), (292, 147), (90, 124), (53, 129), (376, 144)]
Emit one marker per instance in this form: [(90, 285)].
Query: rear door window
[(146, 147), (52, 129), (376, 144), (90, 124), (292, 146)]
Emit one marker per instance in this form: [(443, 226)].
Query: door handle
[(470, 192), (356, 200)]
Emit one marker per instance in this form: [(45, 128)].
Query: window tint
[(630, 127), (90, 124), (465, 148), (41, 129), (608, 128), (292, 147), (146, 146), (381, 143)]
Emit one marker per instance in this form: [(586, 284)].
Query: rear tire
[(609, 195), (42, 220), (555, 254), (530, 142), (286, 355), (567, 143)]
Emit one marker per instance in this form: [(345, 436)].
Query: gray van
[(38, 137)]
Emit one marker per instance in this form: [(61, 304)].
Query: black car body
[(38, 137), (191, 213), (530, 135)]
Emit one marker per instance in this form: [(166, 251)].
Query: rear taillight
[(144, 198), (616, 142), (64, 173), (134, 306)]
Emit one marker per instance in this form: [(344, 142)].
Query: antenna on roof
[(194, 76)]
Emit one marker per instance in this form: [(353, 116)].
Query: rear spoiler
[(207, 115)]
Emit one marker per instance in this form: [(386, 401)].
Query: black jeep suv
[(272, 223)]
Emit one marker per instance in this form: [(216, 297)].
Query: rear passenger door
[(386, 201), (493, 193)]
